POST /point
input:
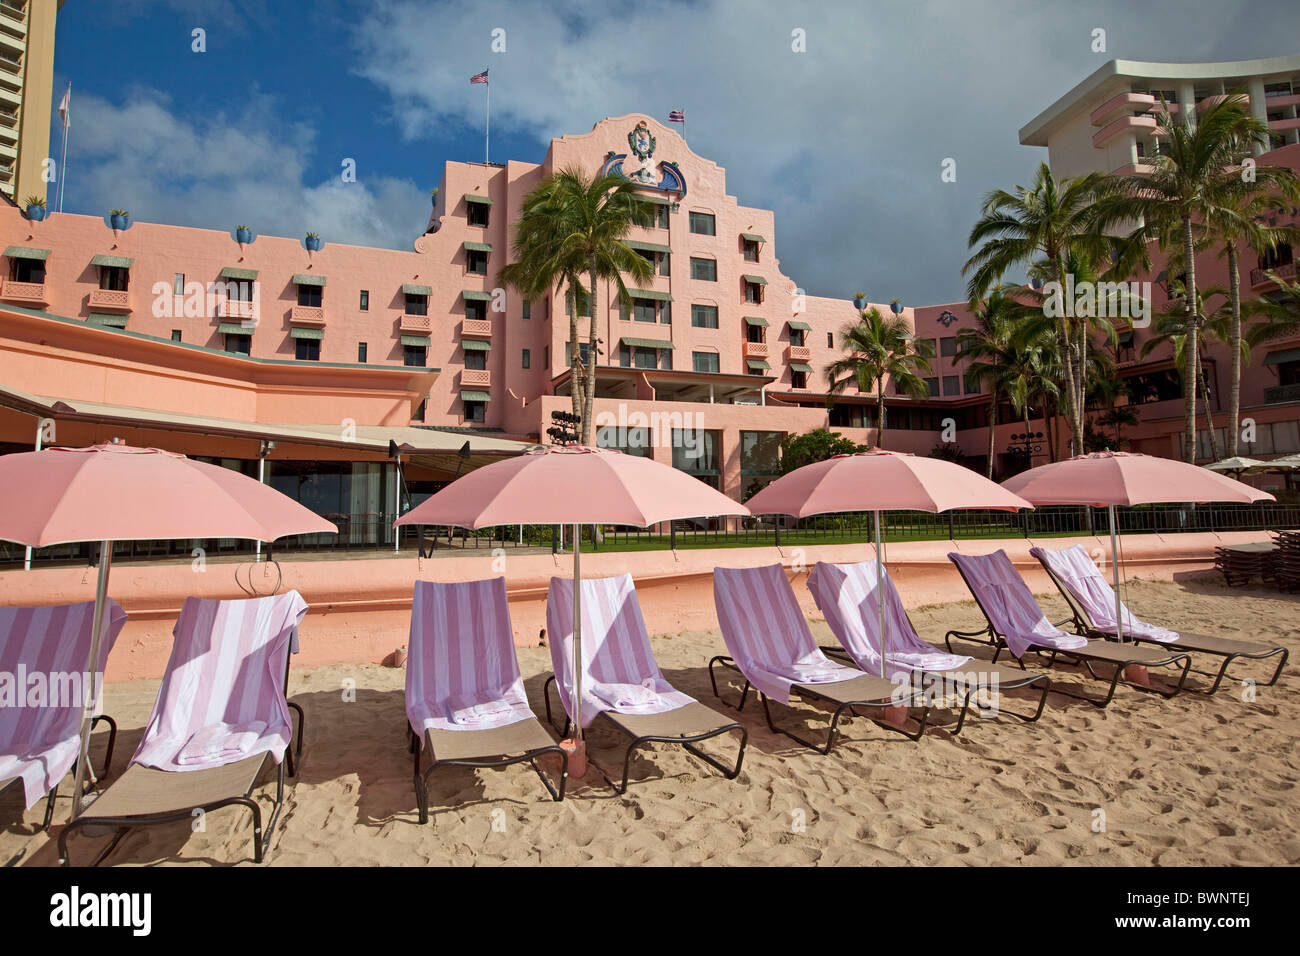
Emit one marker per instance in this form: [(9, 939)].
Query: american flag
[(677, 116), (479, 77)]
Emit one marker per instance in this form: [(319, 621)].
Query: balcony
[(1278, 394), (799, 353), (1121, 125), (110, 300), (307, 316), (1260, 277), (756, 350), (1124, 101), (1282, 125), (26, 293), (475, 378), (1277, 102), (416, 324), (481, 328), (1133, 169), (237, 310)]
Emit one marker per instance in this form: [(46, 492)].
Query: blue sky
[(843, 141)]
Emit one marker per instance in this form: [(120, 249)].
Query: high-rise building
[(26, 94)]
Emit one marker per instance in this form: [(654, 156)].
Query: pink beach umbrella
[(112, 492), (1111, 478), (572, 485), (877, 481)]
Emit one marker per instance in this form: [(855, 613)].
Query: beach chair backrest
[(1074, 570), (1002, 594), (846, 596)]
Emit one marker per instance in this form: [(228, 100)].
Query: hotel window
[(704, 316), (416, 304), (634, 441), (705, 361), (750, 249), (362, 350), (644, 310), (419, 412), (830, 344), (239, 344), (798, 379), (704, 269), (1277, 89), (753, 292), (697, 453), (114, 278), (476, 309), (703, 224), (584, 349), (755, 330), (546, 361), (176, 337), (476, 361), (931, 386), (178, 288), (415, 355), (952, 384), (661, 217), (307, 350), (947, 346), (475, 411), (476, 262), (476, 212), (760, 459), (309, 296), (584, 305), (972, 386), (240, 290), (658, 260), (797, 339), (643, 357), (22, 269), (365, 307), (527, 361), (528, 314)]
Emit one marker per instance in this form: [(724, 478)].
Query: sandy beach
[(1193, 780)]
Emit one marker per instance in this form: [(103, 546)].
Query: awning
[(752, 237), (647, 343), (416, 340), (117, 262), (234, 328), (107, 319), (1286, 355), (472, 396), (646, 246), (474, 197), (314, 334), (475, 345), (477, 296), (244, 275), (417, 290), (657, 200), (27, 252), (800, 367), (800, 326), (757, 280), (649, 294), (756, 320), (478, 246), (756, 363), (303, 279)]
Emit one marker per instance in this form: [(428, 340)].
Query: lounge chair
[(1092, 601), (465, 698), (846, 596), (771, 646), (40, 736), (220, 715), (1017, 623), (621, 682)]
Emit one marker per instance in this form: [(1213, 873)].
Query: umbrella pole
[(89, 694), (1114, 564), (577, 633), (880, 593)]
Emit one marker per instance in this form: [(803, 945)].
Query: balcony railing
[(1260, 276), (1122, 101), (478, 327), (236, 309), (755, 350), (114, 300), (475, 378), (308, 316), (1145, 123), (1278, 394), (416, 324), (32, 292)]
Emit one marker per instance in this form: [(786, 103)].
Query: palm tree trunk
[(1049, 409), (1209, 415), (1193, 363), (1081, 366), (589, 400), (1072, 416), (577, 379), (880, 412), (1234, 387), (993, 432)]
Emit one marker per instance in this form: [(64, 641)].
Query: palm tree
[(570, 225), (878, 348), (989, 346), (1033, 371), (1048, 220), (1198, 159), (1171, 329)]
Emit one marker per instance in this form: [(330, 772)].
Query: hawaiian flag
[(479, 77), (677, 116)]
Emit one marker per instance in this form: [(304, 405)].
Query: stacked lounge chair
[(621, 682), (1239, 563), (465, 697), (771, 646), (846, 596), (1016, 622), (1093, 602)]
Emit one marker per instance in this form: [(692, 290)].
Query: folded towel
[(816, 671), (221, 743), (629, 698), (480, 713)]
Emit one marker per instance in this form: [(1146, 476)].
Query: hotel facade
[(266, 352)]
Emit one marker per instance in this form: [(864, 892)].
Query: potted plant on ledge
[(859, 300), (313, 242), (119, 219), (35, 208), (243, 235)]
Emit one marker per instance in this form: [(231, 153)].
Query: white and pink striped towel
[(766, 634), (1079, 576), (43, 656), (461, 672), (846, 596), (619, 672), (1010, 605), (222, 697)]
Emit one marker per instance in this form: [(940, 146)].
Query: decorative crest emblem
[(641, 141), (947, 318)]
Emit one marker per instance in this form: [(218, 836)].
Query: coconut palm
[(1191, 177), (572, 225), (878, 348), (989, 349)]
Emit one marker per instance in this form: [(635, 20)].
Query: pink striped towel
[(1079, 576), (765, 631), (619, 672), (461, 672), (43, 656), (846, 596), (222, 697), (1010, 605)]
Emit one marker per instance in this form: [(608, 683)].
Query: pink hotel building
[(316, 359)]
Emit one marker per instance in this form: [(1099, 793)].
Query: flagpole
[(487, 120), (63, 168)]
